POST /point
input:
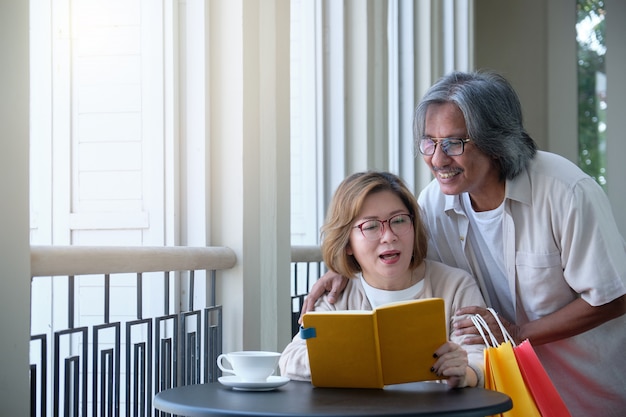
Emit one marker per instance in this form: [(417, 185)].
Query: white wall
[(505, 42), (14, 246)]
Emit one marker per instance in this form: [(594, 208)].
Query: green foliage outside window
[(590, 29)]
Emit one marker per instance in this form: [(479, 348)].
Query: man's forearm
[(575, 318)]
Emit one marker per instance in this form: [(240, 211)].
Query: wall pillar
[(249, 168)]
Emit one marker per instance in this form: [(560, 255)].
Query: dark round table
[(302, 399)]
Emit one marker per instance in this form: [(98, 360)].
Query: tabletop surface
[(302, 399)]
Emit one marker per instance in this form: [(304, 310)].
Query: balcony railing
[(112, 363), (101, 366), (307, 267)]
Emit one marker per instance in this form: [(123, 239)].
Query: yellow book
[(391, 344)]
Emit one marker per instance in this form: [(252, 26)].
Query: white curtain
[(358, 70)]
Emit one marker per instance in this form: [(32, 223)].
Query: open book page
[(408, 337)]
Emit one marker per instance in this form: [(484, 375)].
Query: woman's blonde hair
[(346, 205)]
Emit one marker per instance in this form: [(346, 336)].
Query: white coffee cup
[(250, 365)]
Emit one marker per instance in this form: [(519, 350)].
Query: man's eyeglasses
[(374, 229), (450, 146)]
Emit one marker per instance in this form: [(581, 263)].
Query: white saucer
[(235, 382)]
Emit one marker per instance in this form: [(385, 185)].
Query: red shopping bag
[(538, 381)]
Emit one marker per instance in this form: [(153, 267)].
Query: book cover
[(391, 344)]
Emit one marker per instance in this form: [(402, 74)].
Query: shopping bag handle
[(484, 330), (505, 334)]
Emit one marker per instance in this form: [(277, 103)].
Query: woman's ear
[(349, 250)]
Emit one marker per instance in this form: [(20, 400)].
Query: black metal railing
[(114, 367), (307, 266)]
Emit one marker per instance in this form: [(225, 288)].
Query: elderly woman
[(374, 234)]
